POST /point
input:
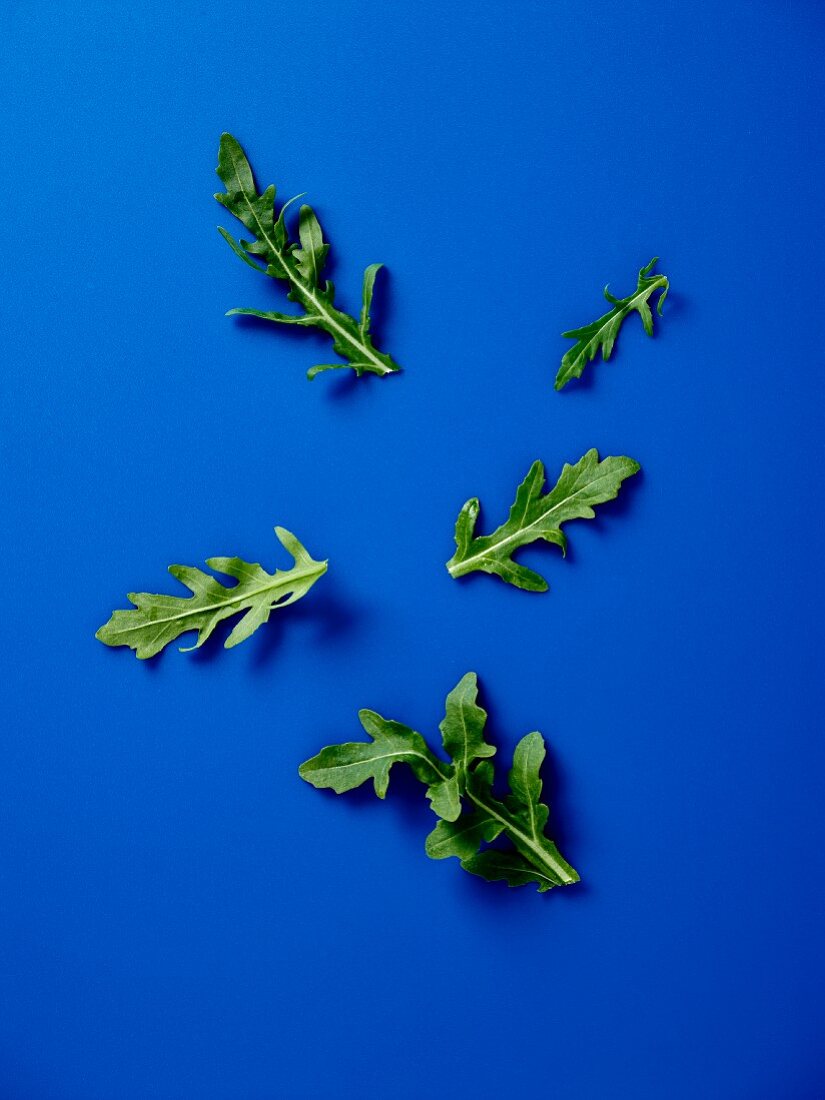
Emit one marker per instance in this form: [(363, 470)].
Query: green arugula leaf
[(533, 516), (462, 838), (156, 620), (462, 728), (344, 767), (601, 334), (460, 792), (299, 263), (510, 866), (525, 803)]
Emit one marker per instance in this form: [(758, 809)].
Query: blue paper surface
[(181, 916)]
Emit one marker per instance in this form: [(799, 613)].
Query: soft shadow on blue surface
[(182, 915), (331, 619)]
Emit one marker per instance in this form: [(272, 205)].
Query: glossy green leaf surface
[(600, 335), (298, 263), (157, 620), (537, 515), (460, 790)]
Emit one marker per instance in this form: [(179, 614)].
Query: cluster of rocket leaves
[(460, 791), (493, 838)]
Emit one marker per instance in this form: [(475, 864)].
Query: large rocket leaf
[(299, 263), (157, 620), (536, 515)]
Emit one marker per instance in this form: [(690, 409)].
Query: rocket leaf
[(510, 866), (535, 516), (299, 263), (345, 767), (460, 792), (462, 729), (601, 334), (157, 620)]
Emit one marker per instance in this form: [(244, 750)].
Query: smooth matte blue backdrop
[(181, 916)]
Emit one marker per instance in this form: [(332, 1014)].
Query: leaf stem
[(558, 866), (364, 348), (281, 579), (555, 863)]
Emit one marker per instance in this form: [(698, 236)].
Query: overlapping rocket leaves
[(493, 837), (298, 263), (460, 791)]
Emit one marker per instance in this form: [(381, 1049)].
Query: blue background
[(181, 915)]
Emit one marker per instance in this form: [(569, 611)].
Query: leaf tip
[(631, 466), (306, 772)]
